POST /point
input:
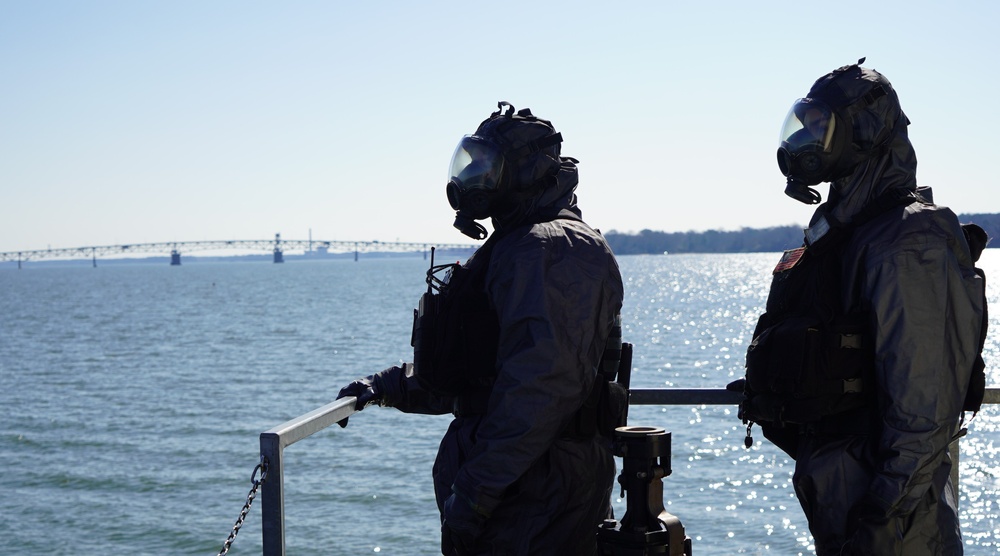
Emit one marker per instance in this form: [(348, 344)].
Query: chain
[(262, 467)]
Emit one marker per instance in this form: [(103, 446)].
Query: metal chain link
[(262, 467)]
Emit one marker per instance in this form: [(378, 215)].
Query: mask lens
[(476, 164), (809, 126)]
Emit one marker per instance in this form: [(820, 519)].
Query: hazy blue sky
[(150, 121)]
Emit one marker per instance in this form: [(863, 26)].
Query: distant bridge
[(277, 247)]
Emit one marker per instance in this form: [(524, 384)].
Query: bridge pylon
[(279, 256)]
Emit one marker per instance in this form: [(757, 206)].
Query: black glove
[(461, 528), (369, 390)]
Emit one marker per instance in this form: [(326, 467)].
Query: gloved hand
[(738, 385), (369, 390), (461, 528)]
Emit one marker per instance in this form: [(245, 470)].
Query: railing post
[(272, 496)]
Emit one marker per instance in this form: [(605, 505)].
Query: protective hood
[(559, 195), (853, 123), (878, 156)]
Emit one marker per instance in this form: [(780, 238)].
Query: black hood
[(879, 139), (559, 195)]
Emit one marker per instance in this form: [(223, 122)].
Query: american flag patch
[(789, 259)]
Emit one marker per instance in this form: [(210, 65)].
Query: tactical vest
[(455, 329), (813, 351), (456, 336), (809, 357)]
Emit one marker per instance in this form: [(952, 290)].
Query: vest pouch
[(781, 357), (425, 319), (800, 370), (849, 351), (846, 360), (454, 339), (477, 342)]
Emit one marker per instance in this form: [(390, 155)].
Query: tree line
[(745, 240)]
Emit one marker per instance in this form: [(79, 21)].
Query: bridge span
[(277, 247)]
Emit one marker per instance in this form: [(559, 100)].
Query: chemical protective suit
[(524, 468), (872, 466)]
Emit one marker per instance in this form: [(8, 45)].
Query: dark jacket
[(557, 290), (888, 490), (891, 487)]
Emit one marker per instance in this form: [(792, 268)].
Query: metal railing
[(274, 441)]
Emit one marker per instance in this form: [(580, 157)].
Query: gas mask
[(813, 141), (476, 183), (817, 142), (511, 158)]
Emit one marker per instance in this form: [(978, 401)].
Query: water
[(135, 395)]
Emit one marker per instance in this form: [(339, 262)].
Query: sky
[(126, 122)]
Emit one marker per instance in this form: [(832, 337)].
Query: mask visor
[(477, 165), (808, 127)]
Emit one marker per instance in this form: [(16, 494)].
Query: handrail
[(272, 445), (274, 441), (713, 396)]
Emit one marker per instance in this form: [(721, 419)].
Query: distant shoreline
[(746, 240), (646, 242)]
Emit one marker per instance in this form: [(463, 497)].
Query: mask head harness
[(818, 141), (511, 158)]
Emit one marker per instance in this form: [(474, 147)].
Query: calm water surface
[(135, 396)]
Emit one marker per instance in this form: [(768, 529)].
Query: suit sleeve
[(927, 328)]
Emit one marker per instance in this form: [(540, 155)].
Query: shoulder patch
[(789, 259)]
